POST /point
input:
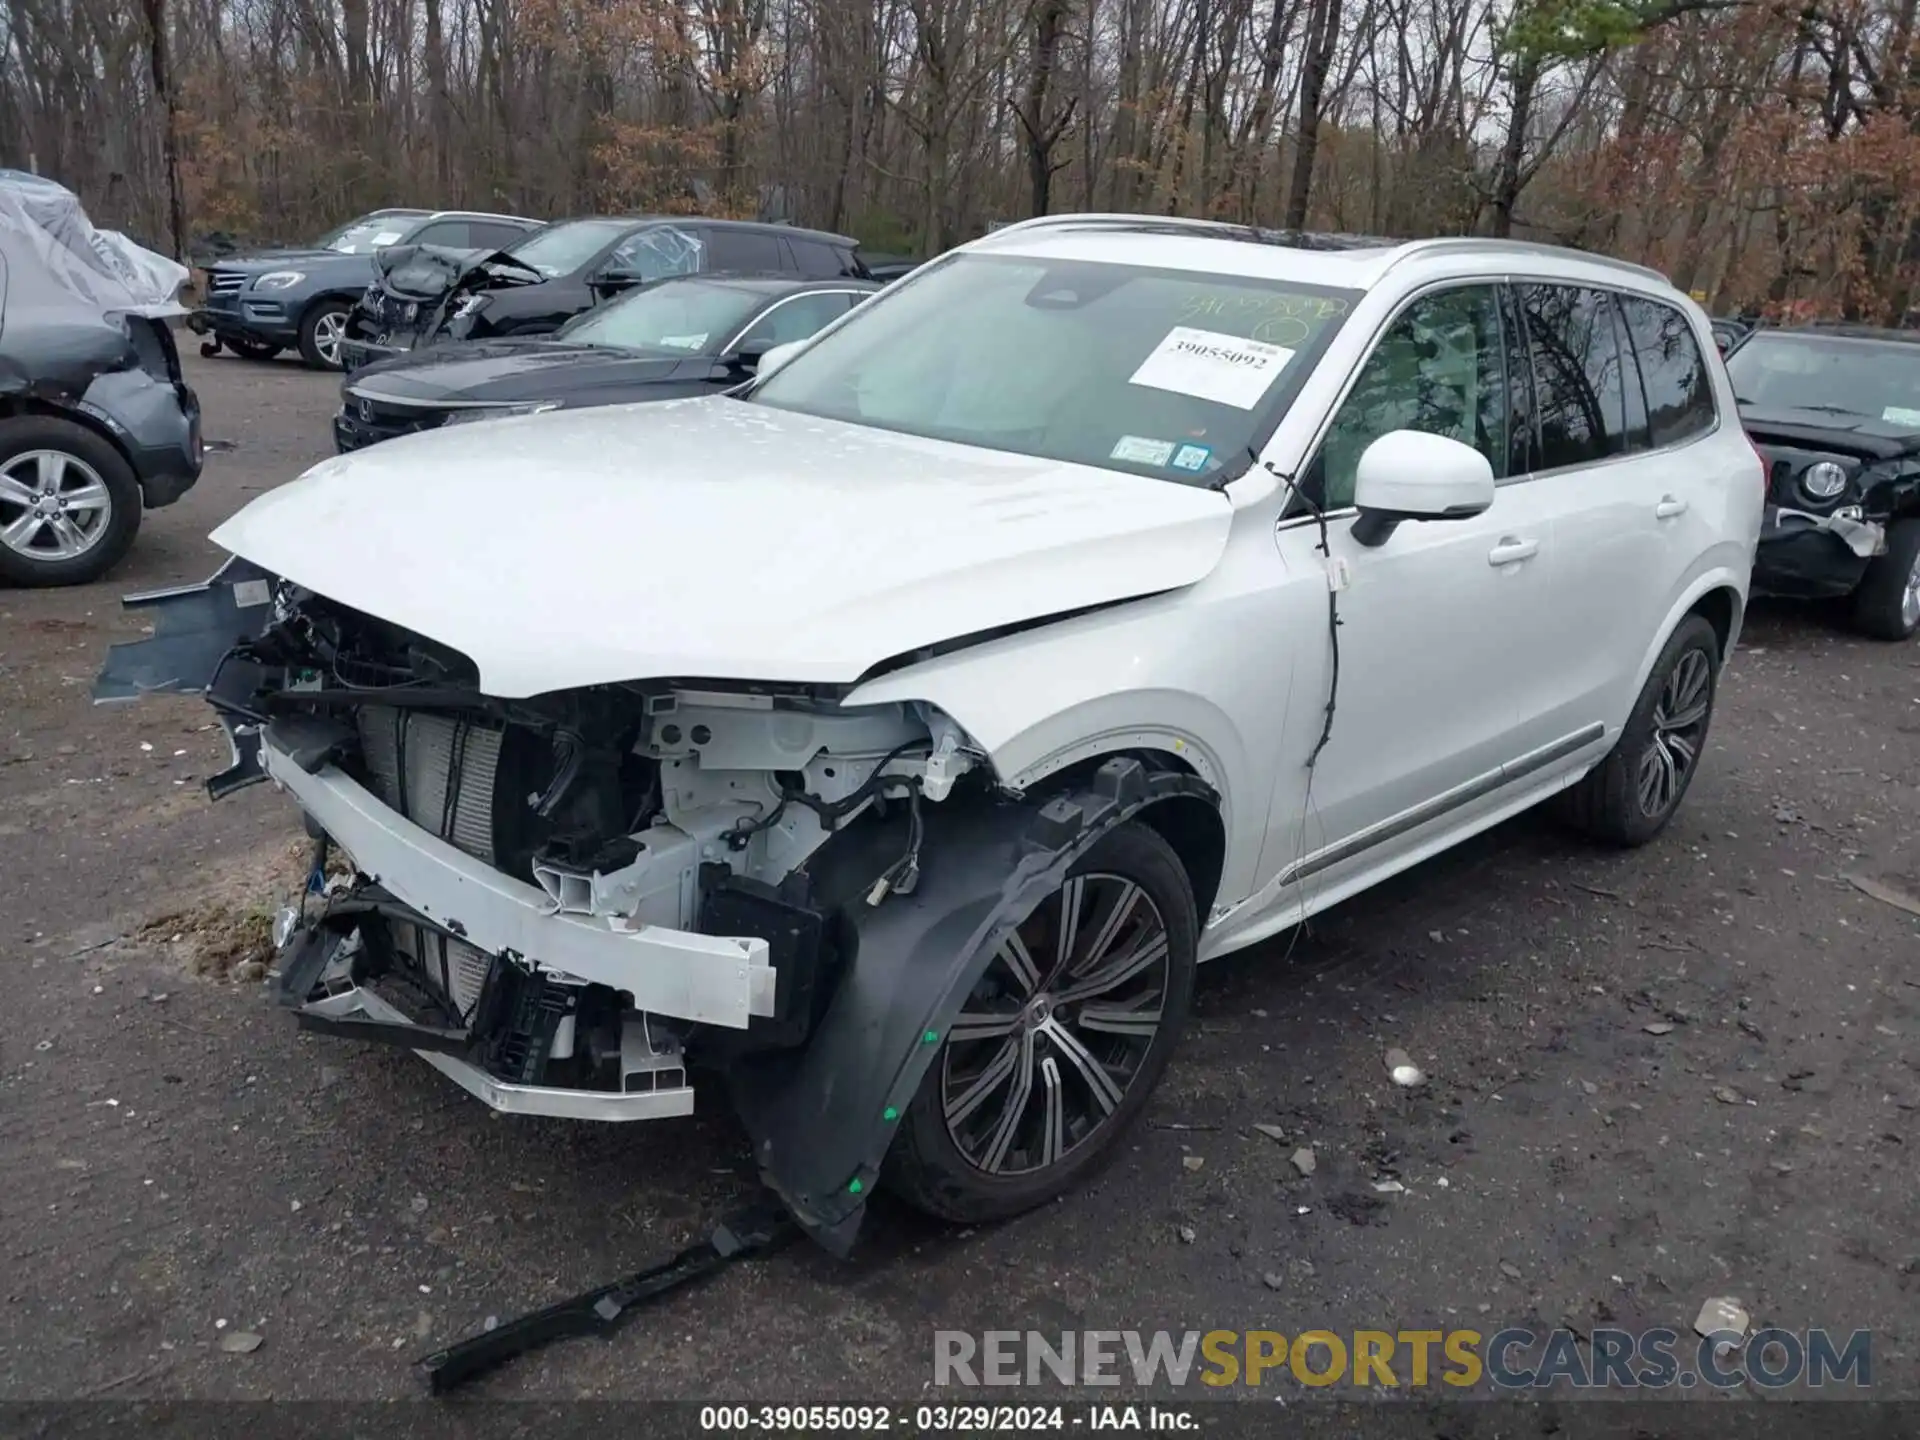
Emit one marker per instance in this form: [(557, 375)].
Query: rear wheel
[(1886, 605), (1628, 797), (322, 329), (1060, 1043), (69, 502)]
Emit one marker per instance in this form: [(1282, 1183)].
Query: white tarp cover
[(51, 247)]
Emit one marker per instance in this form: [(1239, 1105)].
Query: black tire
[(253, 349), (29, 433), (1609, 803), (320, 316), (1886, 603), (927, 1167)]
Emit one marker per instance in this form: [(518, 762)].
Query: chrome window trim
[(741, 334)]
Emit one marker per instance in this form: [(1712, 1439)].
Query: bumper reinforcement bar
[(753, 1232)]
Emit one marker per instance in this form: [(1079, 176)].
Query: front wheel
[(1628, 797), (322, 329), (1060, 1043), (1887, 603)]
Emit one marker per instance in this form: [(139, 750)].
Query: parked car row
[(394, 280), (888, 736), (258, 304), (692, 336)]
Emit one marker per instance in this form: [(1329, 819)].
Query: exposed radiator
[(446, 768)]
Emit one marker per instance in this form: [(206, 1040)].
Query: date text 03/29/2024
[(935, 1419)]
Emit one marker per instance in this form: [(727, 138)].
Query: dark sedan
[(1835, 413), (261, 303), (536, 286), (681, 337)]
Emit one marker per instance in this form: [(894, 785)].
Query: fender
[(821, 1119), (1718, 578)]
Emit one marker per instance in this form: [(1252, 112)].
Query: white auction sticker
[(1227, 369), (1138, 450), (1900, 415)]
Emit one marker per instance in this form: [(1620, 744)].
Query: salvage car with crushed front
[(885, 743), (1835, 412)]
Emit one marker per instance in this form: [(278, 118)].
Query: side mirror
[(1411, 475), (772, 359)]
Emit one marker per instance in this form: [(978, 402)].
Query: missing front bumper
[(658, 1102)]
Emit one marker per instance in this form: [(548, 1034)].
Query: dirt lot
[(180, 1164)]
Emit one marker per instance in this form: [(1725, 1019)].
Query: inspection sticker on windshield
[(684, 342), (1900, 415), (1138, 450), (1227, 369)]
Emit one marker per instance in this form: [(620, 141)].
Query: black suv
[(1835, 412), (537, 285), (261, 303)]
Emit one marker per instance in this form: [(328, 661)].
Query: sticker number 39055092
[(1227, 369)]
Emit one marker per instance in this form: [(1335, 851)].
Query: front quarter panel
[(1202, 675)]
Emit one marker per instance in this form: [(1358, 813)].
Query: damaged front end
[(426, 293), (571, 903), (1831, 495)]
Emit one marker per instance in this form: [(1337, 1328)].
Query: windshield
[(686, 316), (370, 232), (1876, 378), (563, 249), (1168, 373)]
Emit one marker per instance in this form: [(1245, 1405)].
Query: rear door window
[(494, 234), (745, 252), (451, 233), (1672, 370), (1579, 385), (817, 260)]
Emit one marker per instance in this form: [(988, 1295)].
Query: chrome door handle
[(1669, 507), (1512, 550)]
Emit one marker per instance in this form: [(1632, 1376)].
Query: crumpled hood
[(714, 539), (426, 272), (1865, 435)]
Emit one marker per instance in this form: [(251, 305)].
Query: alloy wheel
[(53, 506), (328, 331), (1910, 597), (1053, 1036), (1679, 729)]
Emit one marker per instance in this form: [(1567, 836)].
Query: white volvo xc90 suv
[(889, 739)]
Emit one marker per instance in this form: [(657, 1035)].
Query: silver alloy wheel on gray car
[(329, 329), (1679, 728), (53, 506), (1055, 1033)]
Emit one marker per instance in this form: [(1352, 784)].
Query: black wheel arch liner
[(821, 1119)]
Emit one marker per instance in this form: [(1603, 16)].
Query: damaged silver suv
[(886, 742)]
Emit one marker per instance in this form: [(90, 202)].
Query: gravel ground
[(1654, 1078)]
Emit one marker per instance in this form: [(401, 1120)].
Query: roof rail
[(1181, 225), (1481, 244)]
